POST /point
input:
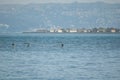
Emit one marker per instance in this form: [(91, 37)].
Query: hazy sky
[(56, 1)]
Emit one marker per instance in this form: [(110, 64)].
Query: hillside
[(18, 17)]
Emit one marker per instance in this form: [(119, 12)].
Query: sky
[(53, 1)]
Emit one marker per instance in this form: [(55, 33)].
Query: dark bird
[(13, 44), (27, 44), (62, 45)]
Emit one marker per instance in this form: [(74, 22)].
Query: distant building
[(60, 30), (82, 30), (101, 30), (52, 30), (89, 30), (85, 30), (73, 30), (113, 30), (94, 30), (67, 30)]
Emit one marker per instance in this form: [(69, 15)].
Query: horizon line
[(101, 2)]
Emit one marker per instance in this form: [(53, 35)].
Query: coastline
[(71, 32)]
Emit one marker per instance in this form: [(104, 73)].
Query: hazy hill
[(18, 17)]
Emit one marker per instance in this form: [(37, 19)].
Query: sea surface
[(59, 56)]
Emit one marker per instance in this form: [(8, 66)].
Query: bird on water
[(62, 45)]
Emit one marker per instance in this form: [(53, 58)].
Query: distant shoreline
[(72, 32)]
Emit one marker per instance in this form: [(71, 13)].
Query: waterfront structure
[(60, 30), (52, 30), (83, 30), (73, 30), (89, 30), (113, 30), (101, 29), (79, 30), (67, 30), (94, 30)]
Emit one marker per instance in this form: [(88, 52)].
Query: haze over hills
[(23, 17)]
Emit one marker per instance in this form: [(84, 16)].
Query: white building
[(60, 30), (52, 30), (113, 30), (85, 30), (73, 30)]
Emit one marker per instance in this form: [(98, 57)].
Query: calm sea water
[(41, 57)]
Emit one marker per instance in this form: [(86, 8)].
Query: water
[(83, 57)]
